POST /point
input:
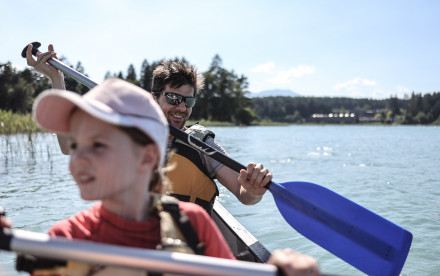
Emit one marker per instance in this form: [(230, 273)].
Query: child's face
[(104, 161)]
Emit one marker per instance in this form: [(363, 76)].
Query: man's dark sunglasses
[(176, 99)]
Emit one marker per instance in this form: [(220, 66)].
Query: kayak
[(242, 243)]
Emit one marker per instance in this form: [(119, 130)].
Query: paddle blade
[(360, 237)]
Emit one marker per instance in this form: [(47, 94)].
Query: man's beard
[(179, 126), (181, 122)]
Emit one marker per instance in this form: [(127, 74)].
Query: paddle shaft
[(59, 248)]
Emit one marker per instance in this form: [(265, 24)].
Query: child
[(118, 140)]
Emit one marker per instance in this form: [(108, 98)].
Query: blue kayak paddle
[(353, 233)]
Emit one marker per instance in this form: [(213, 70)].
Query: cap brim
[(52, 109)]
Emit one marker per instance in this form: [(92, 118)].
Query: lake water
[(392, 170)]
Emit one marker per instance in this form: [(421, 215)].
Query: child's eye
[(72, 146), (98, 145)]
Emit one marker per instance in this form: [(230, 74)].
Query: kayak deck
[(242, 243)]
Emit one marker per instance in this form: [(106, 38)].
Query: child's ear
[(150, 157)]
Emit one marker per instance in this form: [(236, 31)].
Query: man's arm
[(247, 186), (56, 77)]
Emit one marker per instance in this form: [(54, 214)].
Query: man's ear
[(150, 157)]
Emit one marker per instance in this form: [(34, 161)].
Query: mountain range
[(274, 93)]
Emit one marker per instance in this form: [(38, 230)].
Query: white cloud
[(285, 76), (354, 84), (264, 68)]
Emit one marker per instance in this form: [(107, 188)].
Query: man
[(175, 86)]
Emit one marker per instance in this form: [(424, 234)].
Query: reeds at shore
[(13, 123)]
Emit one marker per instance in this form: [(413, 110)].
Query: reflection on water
[(392, 171)]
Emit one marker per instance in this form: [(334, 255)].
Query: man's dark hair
[(176, 74)]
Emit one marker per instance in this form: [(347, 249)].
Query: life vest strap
[(207, 205), (183, 224)]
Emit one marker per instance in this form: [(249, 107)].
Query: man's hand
[(254, 178), (42, 66), (293, 263)]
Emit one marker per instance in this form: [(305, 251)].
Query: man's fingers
[(52, 50), (29, 59), (259, 172)]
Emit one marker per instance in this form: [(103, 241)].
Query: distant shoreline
[(12, 123)]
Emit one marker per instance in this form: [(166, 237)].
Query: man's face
[(176, 114)]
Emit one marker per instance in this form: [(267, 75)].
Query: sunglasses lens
[(173, 99), (176, 99), (190, 102)]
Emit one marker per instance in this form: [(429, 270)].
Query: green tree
[(436, 108), (7, 74), (16, 89), (146, 75), (393, 105), (20, 98), (131, 75), (224, 95), (421, 118), (295, 118), (414, 104), (246, 116)]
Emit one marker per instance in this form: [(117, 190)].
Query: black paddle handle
[(206, 149), (61, 66)]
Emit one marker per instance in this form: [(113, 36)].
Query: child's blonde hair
[(159, 182)]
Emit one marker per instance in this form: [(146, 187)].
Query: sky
[(340, 48)]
